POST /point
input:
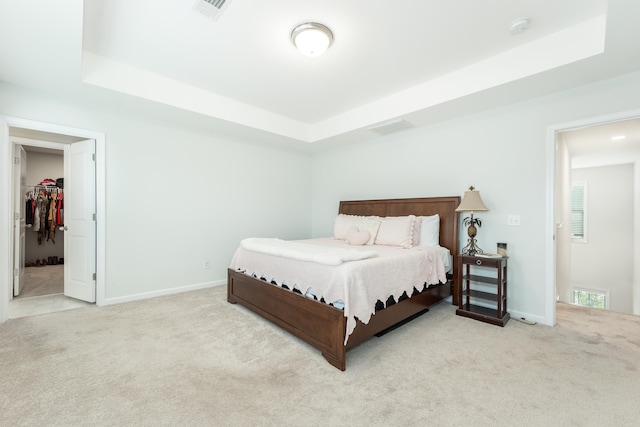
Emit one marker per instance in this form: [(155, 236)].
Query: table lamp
[(471, 202)]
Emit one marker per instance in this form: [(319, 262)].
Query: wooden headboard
[(443, 206)]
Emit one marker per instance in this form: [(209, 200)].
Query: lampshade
[(471, 202), (311, 38)]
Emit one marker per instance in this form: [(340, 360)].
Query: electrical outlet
[(513, 220), (206, 264)]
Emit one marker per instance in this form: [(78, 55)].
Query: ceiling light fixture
[(519, 26), (618, 137), (311, 38)]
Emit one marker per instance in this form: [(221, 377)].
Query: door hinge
[(16, 271), (94, 276), (94, 217), (93, 157), (16, 216), (16, 160)]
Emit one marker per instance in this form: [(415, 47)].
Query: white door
[(79, 220), (20, 188)]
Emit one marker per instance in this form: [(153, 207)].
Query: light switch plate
[(513, 220)]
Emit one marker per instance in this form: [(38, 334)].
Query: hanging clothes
[(29, 206), (36, 215), (51, 235), (45, 211), (43, 204), (59, 210)]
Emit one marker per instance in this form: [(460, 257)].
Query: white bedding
[(305, 251), (359, 284)]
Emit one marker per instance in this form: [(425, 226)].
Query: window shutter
[(577, 211)]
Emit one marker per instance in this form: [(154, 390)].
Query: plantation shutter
[(577, 211)]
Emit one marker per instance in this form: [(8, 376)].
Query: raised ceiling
[(413, 60), (611, 143)]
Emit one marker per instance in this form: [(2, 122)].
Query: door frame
[(550, 222), (19, 223), (6, 201)]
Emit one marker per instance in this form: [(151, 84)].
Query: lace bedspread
[(359, 284)]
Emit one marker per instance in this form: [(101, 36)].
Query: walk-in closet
[(53, 263), (43, 204)]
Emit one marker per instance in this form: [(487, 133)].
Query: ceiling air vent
[(211, 8), (391, 126)]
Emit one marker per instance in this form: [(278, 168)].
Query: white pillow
[(355, 237), (430, 231), (342, 224), (370, 225), (396, 231)]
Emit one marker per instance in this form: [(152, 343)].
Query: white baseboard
[(170, 291)]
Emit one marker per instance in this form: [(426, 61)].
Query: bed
[(324, 326)]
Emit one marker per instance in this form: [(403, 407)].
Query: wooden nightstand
[(476, 296)]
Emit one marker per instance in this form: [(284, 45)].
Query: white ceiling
[(417, 60), (606, 144)]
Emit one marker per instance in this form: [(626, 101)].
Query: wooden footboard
[(319, 324), (316, 323)]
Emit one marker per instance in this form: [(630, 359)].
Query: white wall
[(178, 196), (605, 261), (43, 165), (502, 152)]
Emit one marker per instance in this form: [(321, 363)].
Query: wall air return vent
[(211, 8)]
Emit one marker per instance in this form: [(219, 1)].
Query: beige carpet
[(43, 280), (192, 359)]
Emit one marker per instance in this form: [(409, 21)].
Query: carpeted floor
[(192, 359), (42, 280)]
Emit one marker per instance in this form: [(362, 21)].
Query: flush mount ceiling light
[(519, 26), (311, 38)]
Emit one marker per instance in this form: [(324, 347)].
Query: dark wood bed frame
[(324, 326)]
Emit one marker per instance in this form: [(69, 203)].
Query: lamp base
[(471, 249)]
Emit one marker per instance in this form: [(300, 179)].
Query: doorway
[(39, 252), (53, 137), (43, 215), (596, 228)]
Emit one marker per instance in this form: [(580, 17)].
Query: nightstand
[(483, 294)]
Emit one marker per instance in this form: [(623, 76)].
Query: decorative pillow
[(371, 226), (415, 237), (430, 231), (359, 238), (342, 224), (396, 231)]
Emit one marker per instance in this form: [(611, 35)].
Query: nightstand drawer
[(483, 262)]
